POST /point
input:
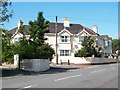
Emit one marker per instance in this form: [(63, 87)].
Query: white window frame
[(64, 39), (81, 39), (64, 52), (16, 39)]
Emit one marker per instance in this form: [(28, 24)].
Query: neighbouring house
[(69, 38)]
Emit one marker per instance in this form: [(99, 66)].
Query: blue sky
[(102, 14)]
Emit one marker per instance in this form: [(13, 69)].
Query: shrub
[(7, 54), (30, 50), (88, 48), (25, 49), (45, 51), (86, 52)]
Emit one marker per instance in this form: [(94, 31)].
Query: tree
[(38, 28), (6, 12), (88, 48), (25, 49), (45, 51), (34, 47), (116, 45), (7, 48)]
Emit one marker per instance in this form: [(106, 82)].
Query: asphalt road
[(97, 76)]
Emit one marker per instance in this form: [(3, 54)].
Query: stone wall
[(35, 64)]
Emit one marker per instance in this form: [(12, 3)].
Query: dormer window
[(64, 38), (81, 38)]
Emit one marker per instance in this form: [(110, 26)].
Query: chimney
[(66, 22), (95, 28), (20, 23)]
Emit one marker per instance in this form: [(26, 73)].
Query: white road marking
[(26, 87), (98, 71), (68, 77), (29, 86)]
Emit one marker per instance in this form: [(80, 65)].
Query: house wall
[(101, 41), (104, 43), (51, 40), (77, 44), (16, 37), (74, 44)]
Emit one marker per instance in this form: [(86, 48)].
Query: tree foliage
[(6, 12), (30, 50), (7, 47), (88, 48), (116, 45), (45, 51), (25, 49), (38, 28), (35, 47)]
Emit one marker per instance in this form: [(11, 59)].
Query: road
[(97, 76)]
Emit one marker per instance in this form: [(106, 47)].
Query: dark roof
[(104, 36), (12, 31), (74, 28)]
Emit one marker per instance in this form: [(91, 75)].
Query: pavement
[(96, 76)]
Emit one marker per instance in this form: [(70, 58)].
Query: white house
[(69, 38)]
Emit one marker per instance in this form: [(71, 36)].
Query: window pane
[(64, 38), (81, 38), (66, 52), (61, 52)]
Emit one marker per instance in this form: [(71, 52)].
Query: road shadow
[(15, 72)]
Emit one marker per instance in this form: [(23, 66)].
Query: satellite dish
[(76, 46)]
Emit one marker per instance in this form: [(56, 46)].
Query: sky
[(102, 14)]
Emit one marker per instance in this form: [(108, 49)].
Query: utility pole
[(56, 31)]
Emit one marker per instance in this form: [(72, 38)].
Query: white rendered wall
[(17, 36), (51, 40), (82, 60)]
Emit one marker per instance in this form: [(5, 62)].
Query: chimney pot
[(66, 22), (20, 23), (95, 28)]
